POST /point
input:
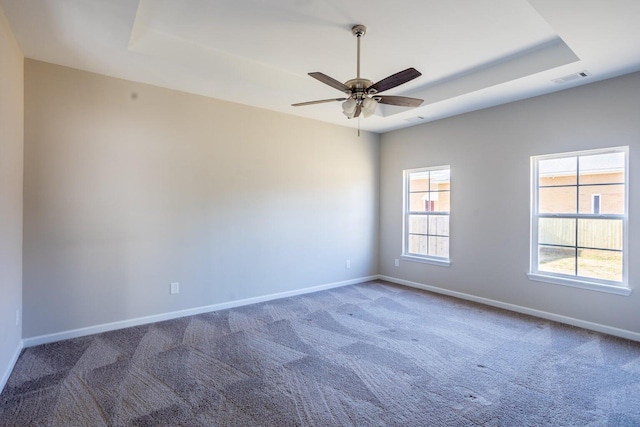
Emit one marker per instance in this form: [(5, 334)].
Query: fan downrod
[(358, 31)]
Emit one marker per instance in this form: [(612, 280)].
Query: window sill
[(610, 289), (435, 261)]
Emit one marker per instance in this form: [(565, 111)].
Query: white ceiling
[(472, 53)]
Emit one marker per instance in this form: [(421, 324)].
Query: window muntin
[(579, 216), (426, 213)]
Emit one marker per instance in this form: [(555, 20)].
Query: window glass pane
[(441, 201), (440, 180), (419, 181), (439, 224), (610, 200), (417, 244), (557, 171), (419, 202), (557, 231), (557, 200), (596, 264), (557, 260), (602, 168), (418, 224), (600, 233), (439, 246)]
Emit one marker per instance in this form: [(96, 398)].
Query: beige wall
[(489, 152), (130, 187), (11, 151)]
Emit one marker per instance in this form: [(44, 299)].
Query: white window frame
[(427, 259), (614, 287)]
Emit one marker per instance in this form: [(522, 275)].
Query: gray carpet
[(373, 354)]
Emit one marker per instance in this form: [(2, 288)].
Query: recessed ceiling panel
[(439, 38)]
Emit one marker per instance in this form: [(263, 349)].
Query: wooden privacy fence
[(592, 233)]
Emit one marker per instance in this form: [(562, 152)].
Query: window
[(426, 215), (579, 219), (595, 203)]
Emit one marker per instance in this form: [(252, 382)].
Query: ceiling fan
[(362, 94)]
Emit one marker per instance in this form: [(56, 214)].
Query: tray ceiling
[(472, 54)]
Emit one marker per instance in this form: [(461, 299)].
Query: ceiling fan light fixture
[(368, 106), (349, 107)]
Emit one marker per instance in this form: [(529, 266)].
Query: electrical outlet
[(175, 288), (17, 317), (348, 263), (397, 263)]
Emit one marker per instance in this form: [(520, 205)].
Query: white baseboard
[(90, 330), (12, 363), (623, 333), (105, 327)]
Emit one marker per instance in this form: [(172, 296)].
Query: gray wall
[(489, 152), (129, 187), (11, 151)]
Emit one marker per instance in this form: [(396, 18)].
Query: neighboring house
[(598, 193)]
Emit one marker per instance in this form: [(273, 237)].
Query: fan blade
[(357, 112), (330, 81), (300, 104), (395, 80), (403, 101)]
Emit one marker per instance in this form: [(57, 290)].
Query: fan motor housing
[(358, 85)]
